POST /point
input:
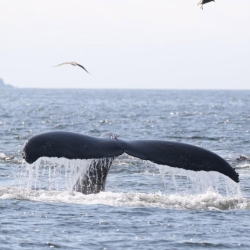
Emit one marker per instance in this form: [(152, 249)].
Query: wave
[(9, 159), (243, 166), (242, 162), (243, 158)]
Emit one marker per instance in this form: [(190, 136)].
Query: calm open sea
[(145, 206)]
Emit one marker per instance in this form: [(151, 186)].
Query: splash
[(86, 176), (200, 182), (53, 180), (52, 173), (62, 174)]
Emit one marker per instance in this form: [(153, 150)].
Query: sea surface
[(144, 206)]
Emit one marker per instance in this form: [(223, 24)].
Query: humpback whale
[(103, 150)]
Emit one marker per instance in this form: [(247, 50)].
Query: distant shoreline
[(4, 85)]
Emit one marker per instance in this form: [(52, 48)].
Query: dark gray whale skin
[(108, 146)]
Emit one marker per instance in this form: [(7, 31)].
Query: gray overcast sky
[(125, 44)]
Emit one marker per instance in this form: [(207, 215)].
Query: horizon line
[(189, 89)]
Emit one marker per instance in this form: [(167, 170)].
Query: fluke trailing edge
[(105, 148)]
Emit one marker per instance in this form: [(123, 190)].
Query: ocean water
[(145, 206)]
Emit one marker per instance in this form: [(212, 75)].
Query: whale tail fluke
[(108, 146)]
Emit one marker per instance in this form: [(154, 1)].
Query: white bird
[(73, 64), (203, 2)]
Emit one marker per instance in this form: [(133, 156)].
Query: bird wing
[(74, 64), (205, 1), (82, 67), (64, 63)]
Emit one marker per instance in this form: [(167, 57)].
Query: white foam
[(2, 156), (209, 200)]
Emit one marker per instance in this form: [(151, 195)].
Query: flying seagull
[(203, 2), (73, 64)]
